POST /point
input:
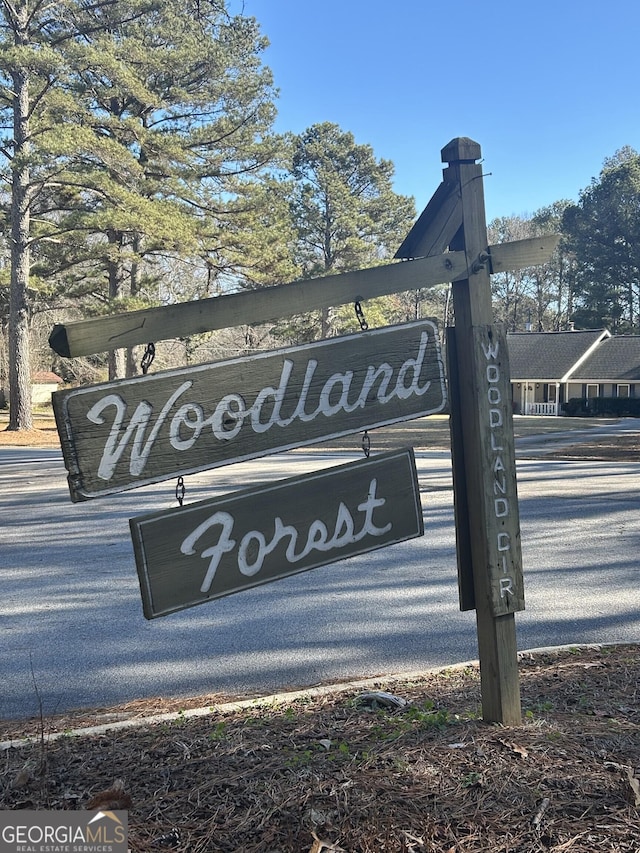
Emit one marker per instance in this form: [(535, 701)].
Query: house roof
[(46, 377), (615, 359), (549, 356)]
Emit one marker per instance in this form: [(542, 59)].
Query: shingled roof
[(550, 356), (47, 377), (616, 358)]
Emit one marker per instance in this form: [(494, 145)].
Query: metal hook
[(366, 443), (147, 358), (360, 315)]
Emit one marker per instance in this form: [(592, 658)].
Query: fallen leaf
[(515, 747), (381, 699), (633, 780), (319, 846), (114, 798)]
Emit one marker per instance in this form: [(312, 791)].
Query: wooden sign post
[(487, 519), (127, 433)]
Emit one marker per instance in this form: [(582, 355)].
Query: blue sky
[(548, 89)]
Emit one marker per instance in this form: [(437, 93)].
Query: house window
[(623, 391), (592, 391)]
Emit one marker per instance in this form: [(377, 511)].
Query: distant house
[(43, 384), (549, 368)]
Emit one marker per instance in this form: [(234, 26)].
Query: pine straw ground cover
[(332, 773)]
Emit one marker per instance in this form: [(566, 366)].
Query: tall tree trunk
[(116, 360), (134, 279), (20, 414)]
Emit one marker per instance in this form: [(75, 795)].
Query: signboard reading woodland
[(132, 432), (216, 547)]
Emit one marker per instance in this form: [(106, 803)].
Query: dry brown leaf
[(319, 846), (114, 798), (515, 747)]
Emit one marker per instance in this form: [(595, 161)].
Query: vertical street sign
[(487, 519)]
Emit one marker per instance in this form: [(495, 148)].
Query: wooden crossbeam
[(100, 334)]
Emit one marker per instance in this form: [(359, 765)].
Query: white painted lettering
[(300, 412), (384, 372), (494, 396), (490, 350), (402, 391), (224, 415), (139, 422), (500, 485), (191, 417), (278, 397), (338, 380), (504, 541), (501, 507), (493, 373), (187, 421), (246, 567), (502, 501), (224, 545), (506, 586), (254, 547)]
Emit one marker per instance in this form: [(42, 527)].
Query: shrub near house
[(593, 407)]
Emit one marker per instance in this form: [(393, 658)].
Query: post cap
[(461, 149)]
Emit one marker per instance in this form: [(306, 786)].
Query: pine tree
[(344, 209), (603, 232), (175, 135), (138, 132)]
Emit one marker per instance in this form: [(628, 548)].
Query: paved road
[(72, 632)]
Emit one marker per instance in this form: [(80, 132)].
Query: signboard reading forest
[(216, 547), (132, 432)]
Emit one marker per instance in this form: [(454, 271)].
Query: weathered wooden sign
[(133, 432), (216, 547), (129, 433), (498, 537)]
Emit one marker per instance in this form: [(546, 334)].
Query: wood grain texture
[(84, 337), (213, 548), (520, 254), (436, 226), (99, 334), (500, 539), (132, 432)]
